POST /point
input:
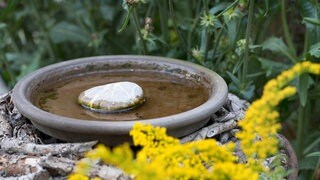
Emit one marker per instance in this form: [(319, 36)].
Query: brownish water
[(165, 95)]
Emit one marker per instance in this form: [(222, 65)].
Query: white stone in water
[(113, 97)]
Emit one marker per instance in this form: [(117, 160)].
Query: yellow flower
[(99, 152), (259, 127), (77, 176), (163, 157), (227, 170)]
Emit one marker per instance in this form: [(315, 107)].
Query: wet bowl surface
[(116, 132)]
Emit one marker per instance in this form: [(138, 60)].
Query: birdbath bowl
[(179, 96)]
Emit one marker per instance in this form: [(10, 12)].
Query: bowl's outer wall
[(108, 132)]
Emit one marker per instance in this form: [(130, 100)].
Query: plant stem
[(207, 34), (174, 20), (262, 28), (136, 23), (125, 22), (314, 174), (194, 25), (43, 29), (88, 6), (216, 44), (287, 35), (229, 7), (163, 11), (150, 10), (11, 74), (300, 131), (13, 42), (246, 50), (306, 42), (206, 48), (3, 86)]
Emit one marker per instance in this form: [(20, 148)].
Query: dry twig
[(14, 145), (64, 166)]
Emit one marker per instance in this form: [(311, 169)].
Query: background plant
[(246, 41)]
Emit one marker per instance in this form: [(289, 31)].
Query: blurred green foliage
[(245, 41)]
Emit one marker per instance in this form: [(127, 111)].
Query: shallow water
[(165, 95)]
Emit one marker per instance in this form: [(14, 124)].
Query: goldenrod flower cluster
[(163, 157), (171, 160), (259, 127)]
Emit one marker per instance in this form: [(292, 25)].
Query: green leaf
[(125, 5), (67, 32), (6, 76), (267, 4), (248, 92), (108, 13), (232, 31), (308, 163), (34, 65), (219, 7), (17, 59), (126, 20), (313, 145), (305, 81), (307, 9), (245, 91), (3, 25), (237, 66), (272, 68), (203, 40), (313, 21), (314, 154), (234, 79), (277, 45), (315, 50)]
